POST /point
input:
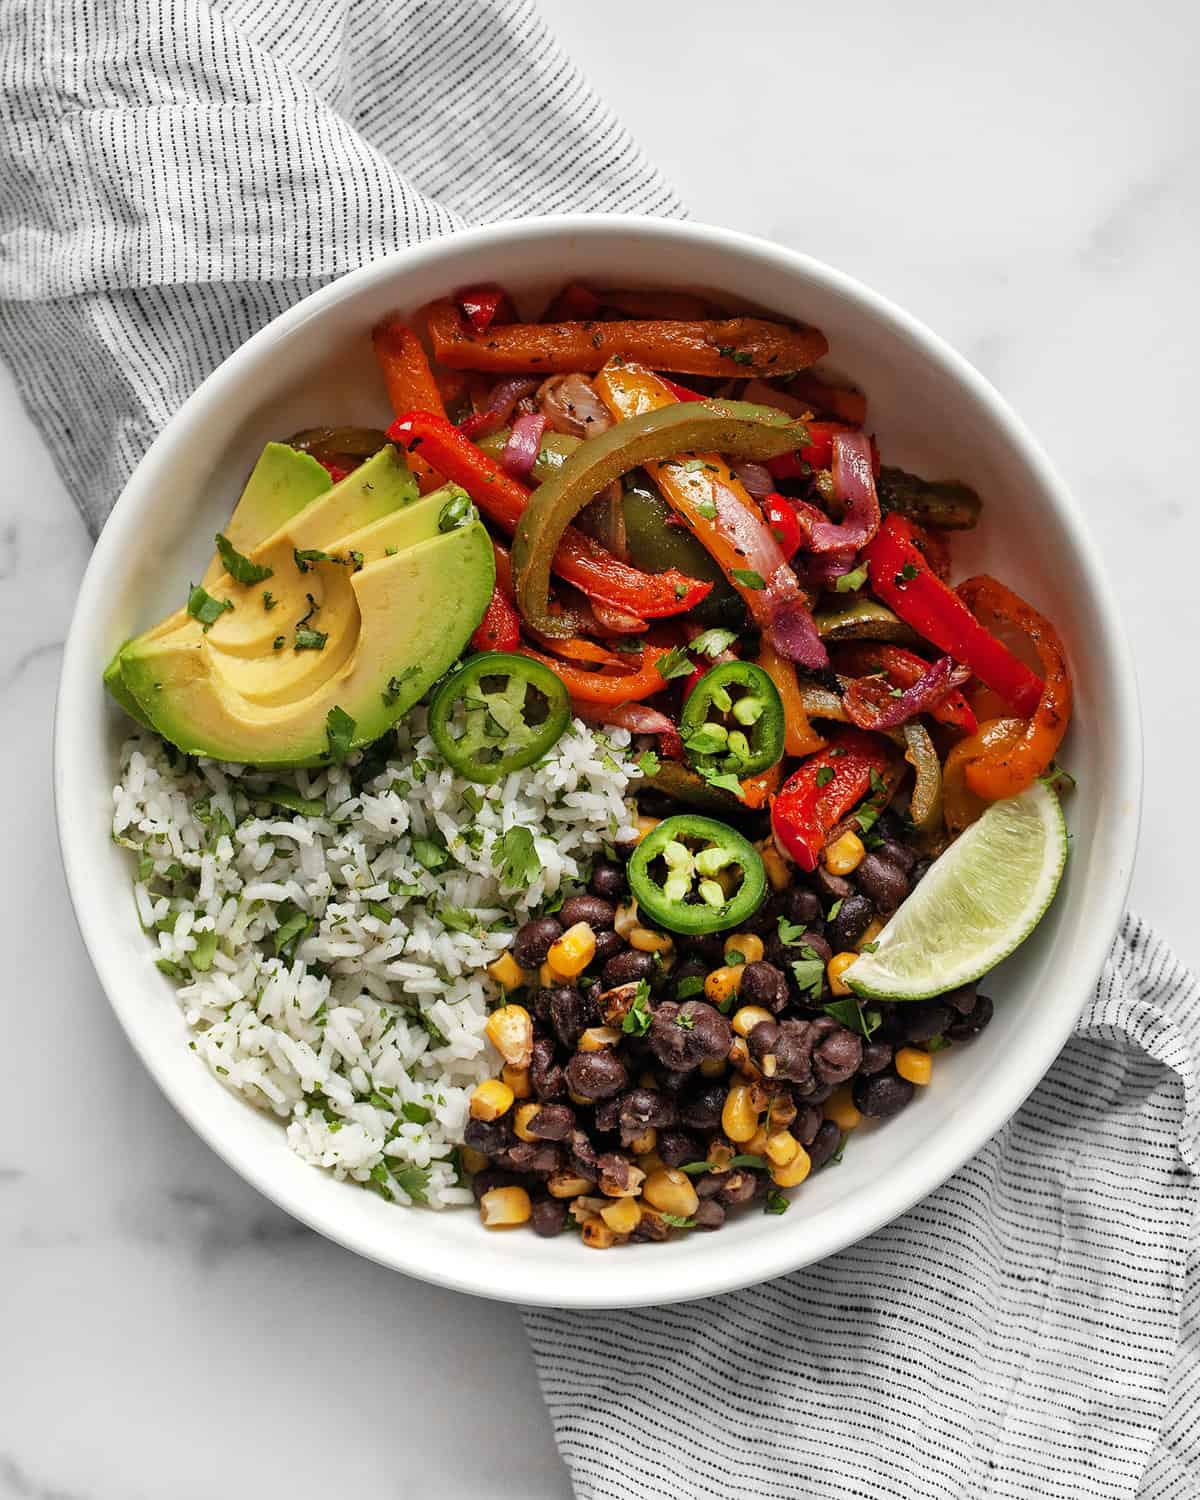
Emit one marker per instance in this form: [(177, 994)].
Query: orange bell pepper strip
[(799, 737), (1005, 770), (732, 347), (597, 687), (960, 805), (410, 383), (580, 559), (758, 790)]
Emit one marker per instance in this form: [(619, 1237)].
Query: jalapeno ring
[(740, 731), (694, 852), (508, 710)]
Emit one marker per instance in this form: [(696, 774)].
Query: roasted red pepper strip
[(818, 454), (596, 687), (903, 668), (817, 796), (1003, 771), (681, 392), (902, 578), (579, 559), (500, 628), (780, 516), (480, 304)]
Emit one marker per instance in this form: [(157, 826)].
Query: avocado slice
[(391, 630), (282, 482)]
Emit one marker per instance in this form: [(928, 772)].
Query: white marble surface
[(1023, 178)]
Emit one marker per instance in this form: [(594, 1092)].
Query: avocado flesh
[(410, 613), (282, 482)]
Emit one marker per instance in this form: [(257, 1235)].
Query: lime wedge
[(983, 897)]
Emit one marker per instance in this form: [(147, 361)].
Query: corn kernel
[(748, 944), (781, 1148), (915, 1065), (507, 972), (775, 865), (671, 1192), (641, 1144), (517, 1080), (646, 940), (650, 1162), (748, 1017), (796, 1170), (835, 968), (626, 919), (505, 1207), (722, 984), (739, 1058), (739, 1118), (842, 1110), (781, 1112), (874, 928), (845, 854), (713, 1067), (757, 1144), (547, 978), (573, 951), (585, 1207), (622, 1215), (644, 826), (490, 1099), (718, 1158), (472, 1161), (510, 1031), (596, 1234), (564, 1184), (597, 1038), (628, 1184), (521, 1119)]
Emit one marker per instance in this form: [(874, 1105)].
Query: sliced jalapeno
[(733, 720), (692, 874), (498, 713)]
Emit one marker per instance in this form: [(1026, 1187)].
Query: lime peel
[(979, 901)]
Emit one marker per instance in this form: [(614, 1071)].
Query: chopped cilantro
[(834, 909), (294, 926), (648, 763), (851, 1015), (733, 957), (515, 856), (277, 643), (706, 508), (824, 775), (685, 1020), (203, 607), (776, 1203), (689, 985), (286, 796), (849, 583), (310, 640), (637, 1018), (339, 731), (204, 952), (457, 919), (877, 783), (305, 556), (748, 578), (456, 512), (429, 852), (414, 1181), (809, 972), (240, 568), (937, 1044), (713, 642), (416, 1114), (790, 933), (380, 912), (724, 781), (676, 1221), (392, 692), (674, 663)]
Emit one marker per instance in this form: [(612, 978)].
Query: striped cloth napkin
[(170, 179)]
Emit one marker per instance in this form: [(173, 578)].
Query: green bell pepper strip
[(553, 451), (501, 728), (735, 428), (733, 720), (673, 875), (656, 545), (861, 619)]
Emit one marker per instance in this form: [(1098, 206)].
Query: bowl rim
[(772, 1255)]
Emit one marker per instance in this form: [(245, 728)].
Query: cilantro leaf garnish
[(824, 775), (310, 640), (713, 642), (674, 663), (237, 565), (339, 730), (515, 857), (203, 607), (748, 578), (392, 691), (851, 1015), (809, 972), (637, 1018), (648, 763)]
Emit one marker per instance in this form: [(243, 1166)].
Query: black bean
[(534, 940), (876, 1056), (885, 883), (571, 1013), (792, 1048), (652, 1226), (962, 999), (924, 1020), (547, 1078), (615, 1174), (737, 1187), (549, 1216), (685, 974), (762, 1040), (881, 1094), (683, 1036), (838, 1055), (583, 1155), (972, 1024), (707, 1185), (919, 872), (702, 1110), (709, 949), (824, 1144), (627, 968), (607, 1115), (709, 1215), (832, 886), (802, 905), (766, 918), (806, 1124), (492, 1177), (608, 880), (852, 920), (596, 1075), (593, 910), (763, 984), (531, 1156), (676, 1148), (489, 1136), (608, 945), (553, 1122), (897, 854)]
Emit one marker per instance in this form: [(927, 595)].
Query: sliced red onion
[(571, 405), (505, 395), (638, 718), (756, 479), (521, 450), (854, 486), (825, 568), (869, 701), (793, 632), (613, 620)]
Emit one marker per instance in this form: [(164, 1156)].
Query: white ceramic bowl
[(934, 414)]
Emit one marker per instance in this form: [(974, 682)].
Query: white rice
[(367, 1035)]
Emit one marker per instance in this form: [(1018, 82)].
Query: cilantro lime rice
[(328, 930)]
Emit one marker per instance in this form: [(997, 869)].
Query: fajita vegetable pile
[(618, 701)]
